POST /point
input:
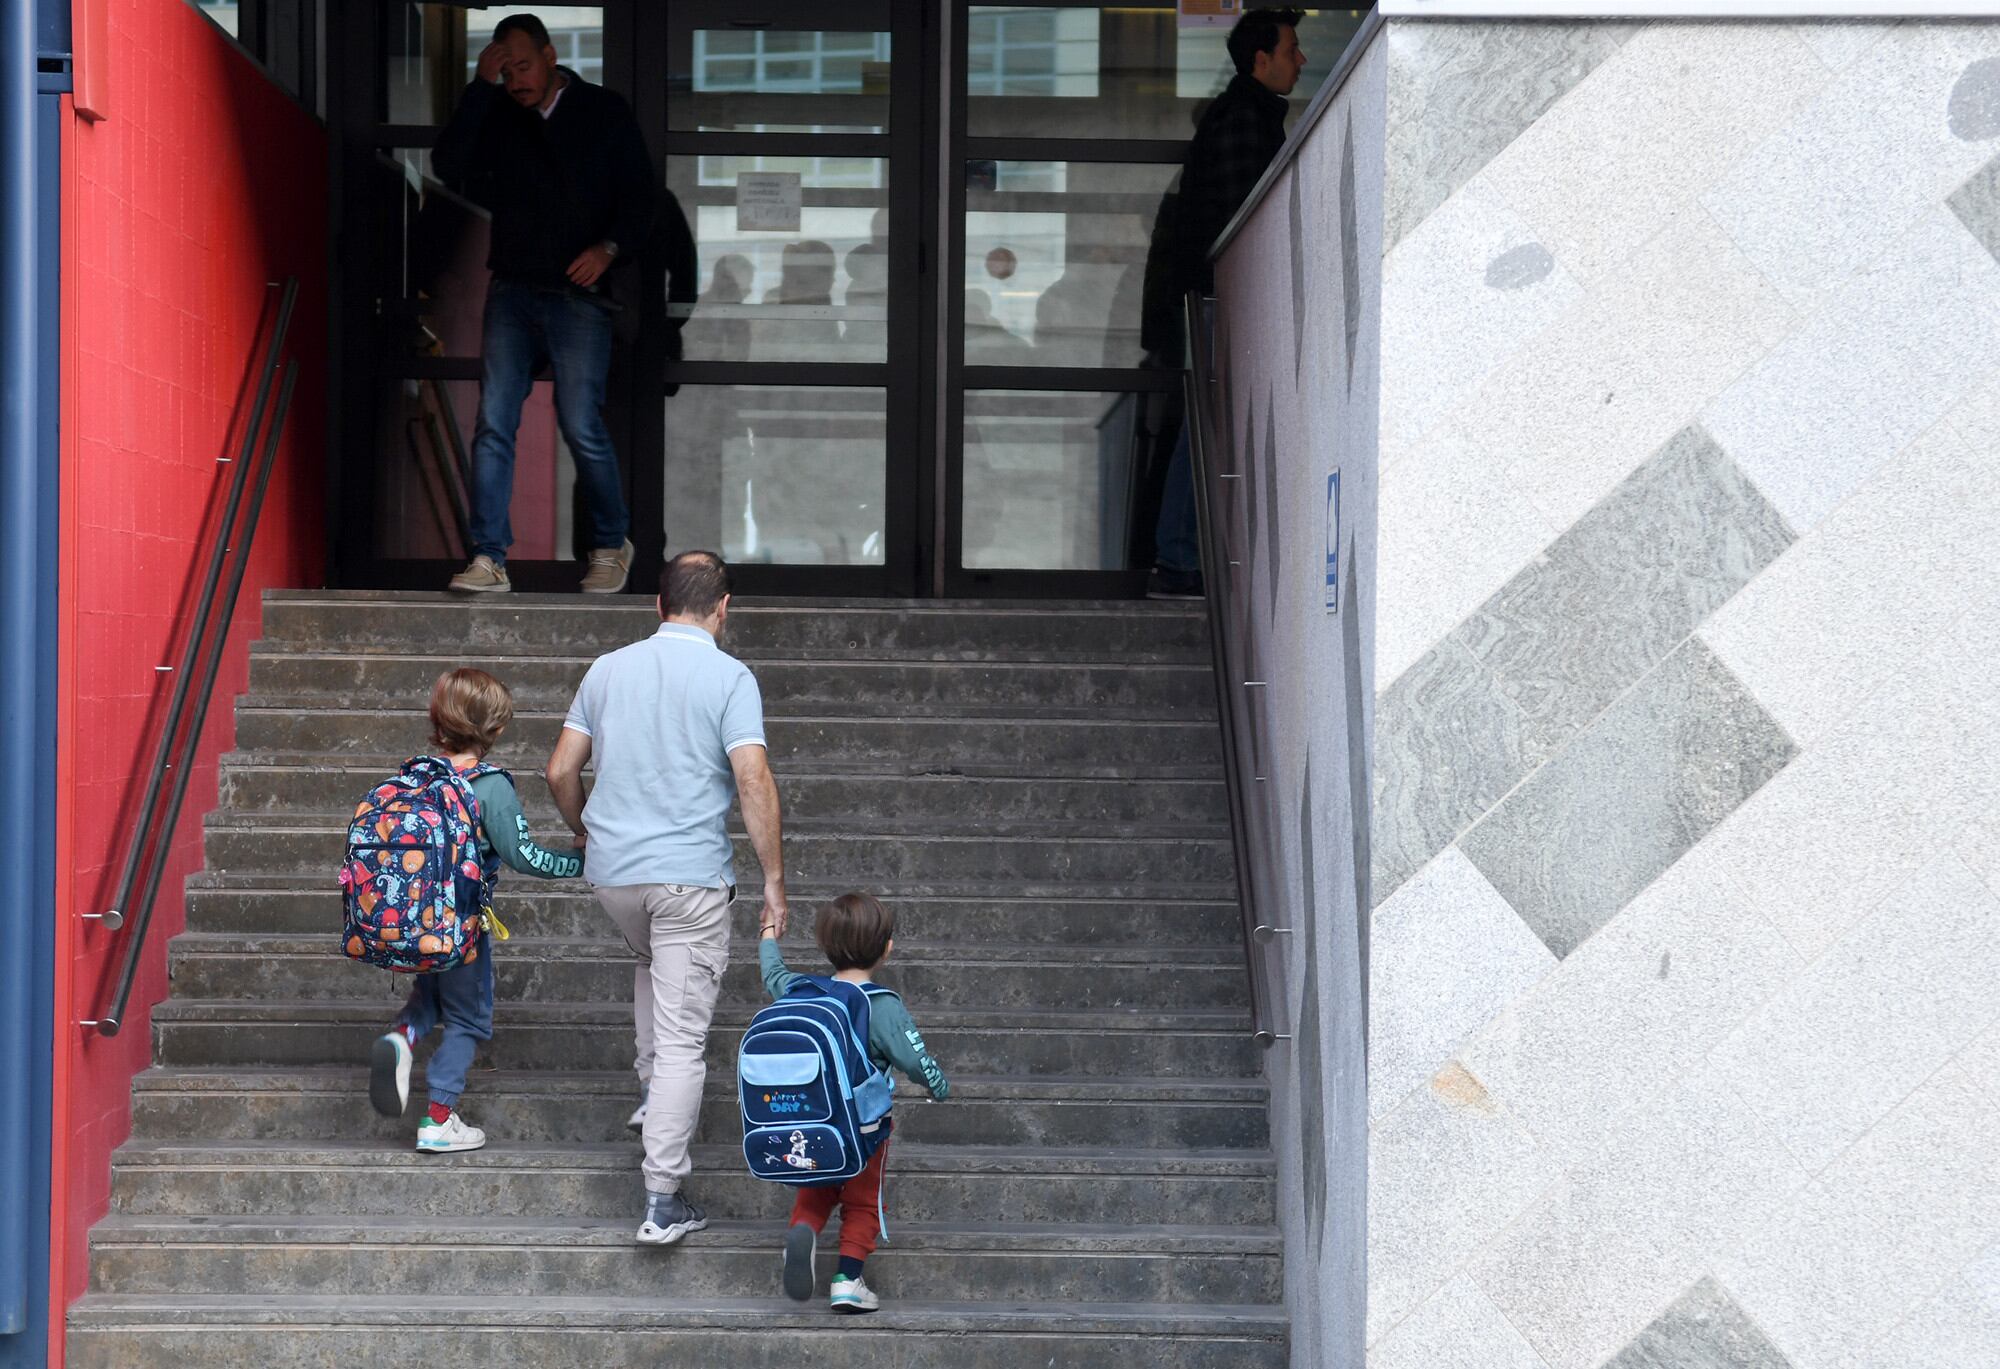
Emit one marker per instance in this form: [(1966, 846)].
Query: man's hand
[(776, 910), (490, 58), (590, 266)]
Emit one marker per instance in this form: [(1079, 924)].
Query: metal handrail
[(1248, 825), (194, 677)]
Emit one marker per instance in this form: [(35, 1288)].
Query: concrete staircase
[(1036, 789)]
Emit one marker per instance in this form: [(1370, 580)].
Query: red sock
[(440, 1113)]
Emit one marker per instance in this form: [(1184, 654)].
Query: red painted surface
[(204, 182)]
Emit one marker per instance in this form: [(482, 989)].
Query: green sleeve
[(506, 827), (778, 980), (893, 1036)]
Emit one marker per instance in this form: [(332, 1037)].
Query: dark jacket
[(1235, 142), (554, 186)]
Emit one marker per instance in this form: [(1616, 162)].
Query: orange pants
[(859, 1200)]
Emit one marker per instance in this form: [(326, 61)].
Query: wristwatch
[(610, 248)]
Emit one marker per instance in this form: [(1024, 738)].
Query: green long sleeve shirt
[(506, 828), (893, 1038)]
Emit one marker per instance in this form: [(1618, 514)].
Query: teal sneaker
[(853, 1295)]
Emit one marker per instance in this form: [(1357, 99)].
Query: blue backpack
[(815, 1107)]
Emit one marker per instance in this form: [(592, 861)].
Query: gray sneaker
[(609, 567), (669, 1217), (483, 576)]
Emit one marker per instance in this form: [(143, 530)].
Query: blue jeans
[(1177, 539), (461, 1000), (525, 326)]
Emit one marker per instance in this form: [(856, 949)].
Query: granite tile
[(1957, 1327), (1831, 192), (1888, 1225), (1896, 347), (1567, 417), (1447, 747), (1273, 522), (1840, 45), (1977, 205), (1689, 1171), (1459, 93), (1704, 1329), (1856, 601), (1645, 999), (1295, 216), (1451, 954), (1447, 1172), (1647, 780), (1886, 1006), (1446, 322), (1973, 112), (1350, 252), (1623, 587), (1605, 170), (1458, 1328)]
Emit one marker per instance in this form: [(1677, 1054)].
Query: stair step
[(522, 624), (1022, 746), (930, 1184), (221, 903), (321, 784), (563, 1256), (541, 969), (1073, 689), (598, 1036), (176, 1331), (592, 1107), (1041, 857)]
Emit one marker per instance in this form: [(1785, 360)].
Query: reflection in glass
[(1055, 259), (432, 53), (1050, 478), (423, 473), (224, 13), (1114, 71), (815, 293), (435, 298), (782, 81), (791, 475)]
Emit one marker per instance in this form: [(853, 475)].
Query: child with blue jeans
[(469, 711), (857, 933)]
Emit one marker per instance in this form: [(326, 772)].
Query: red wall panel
[(203, 183)]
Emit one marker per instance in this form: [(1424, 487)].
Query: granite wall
[(1685, 1038), (1297, 336)]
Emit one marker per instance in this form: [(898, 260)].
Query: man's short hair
[(469, 710), (534, 29), (1257, 31), (854, 931), (693, 585)]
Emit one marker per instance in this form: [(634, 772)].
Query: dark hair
[(469, 710), (531, 27), (1257, 31), (854, 931), (693, 585)]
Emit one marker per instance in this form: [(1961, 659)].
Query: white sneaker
[(636, 1123), (452, 1134), (801, 1244), (389, 1074), (482, 577), (608, 569), (852, 1295)]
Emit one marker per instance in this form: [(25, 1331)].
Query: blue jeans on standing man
[(1177, 538), (461, 1001), (525, 326)]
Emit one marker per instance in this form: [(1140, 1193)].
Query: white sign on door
[(768, 201)]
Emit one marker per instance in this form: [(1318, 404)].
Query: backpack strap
[(853, 1001)]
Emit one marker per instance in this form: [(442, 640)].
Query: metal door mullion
[(1144, 151), (1127, 380), (683, 143), (851, 375)]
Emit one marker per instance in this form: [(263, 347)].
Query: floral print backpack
[(414, 884)]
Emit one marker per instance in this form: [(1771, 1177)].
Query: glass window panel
[(432, 51), (223, 12), (1113, 70), (422, 477), (436, 256), (1050, 478), (1055, 261), (782, 81), (790, 475), (817, 293)]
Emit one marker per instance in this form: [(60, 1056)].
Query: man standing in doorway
[(1233, 145), (675, 725), (563, 168)]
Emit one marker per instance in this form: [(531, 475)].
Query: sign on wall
[(1204, 14), (1333, 542), (768, 201)]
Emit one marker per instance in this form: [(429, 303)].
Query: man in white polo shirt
[(675, 726)]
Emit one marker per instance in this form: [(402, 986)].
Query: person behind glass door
[(561, 165), (1235, 142)]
